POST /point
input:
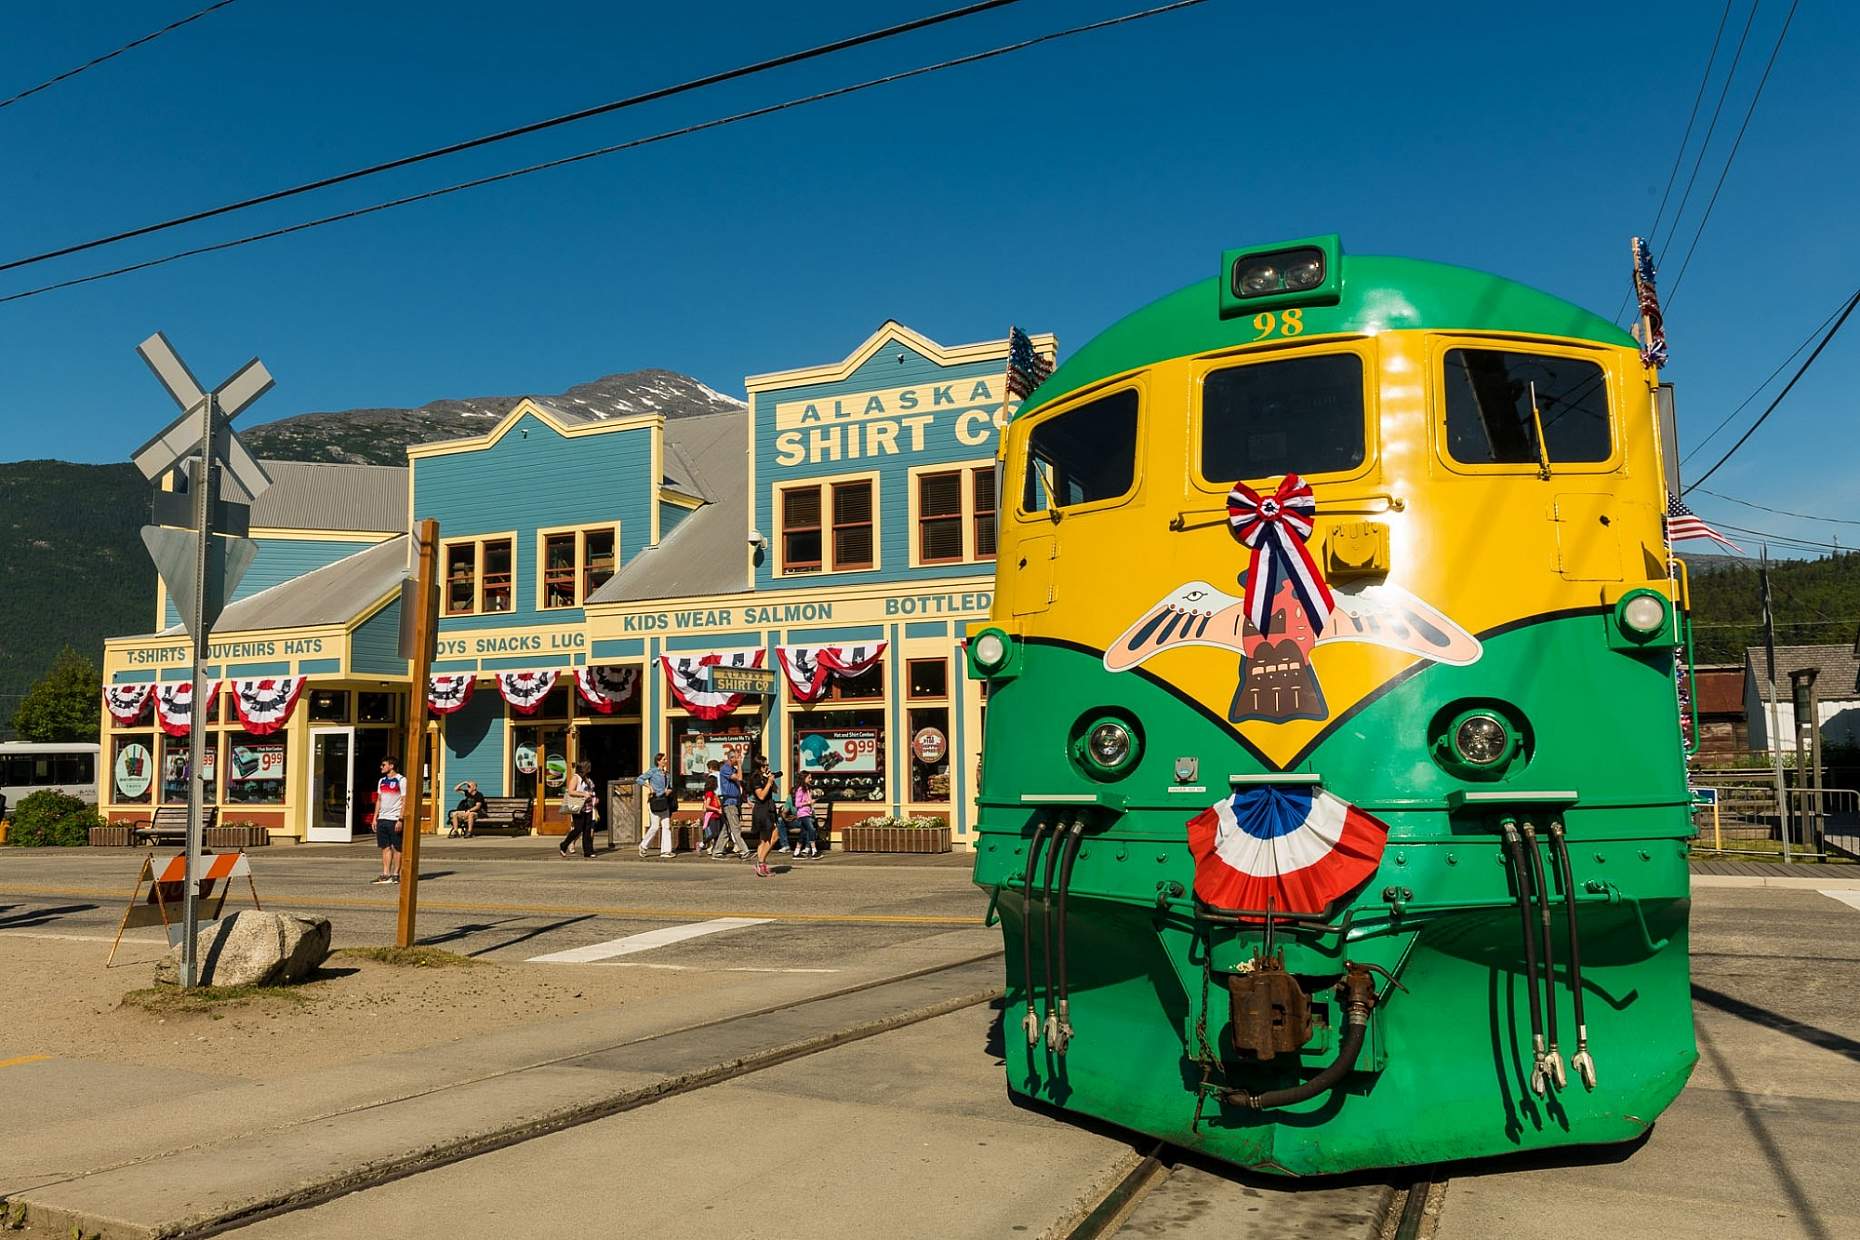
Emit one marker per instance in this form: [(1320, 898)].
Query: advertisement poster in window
[(135, 770), (844, 751), (930, 746), (696, 751), (251, 762), (526, 760)]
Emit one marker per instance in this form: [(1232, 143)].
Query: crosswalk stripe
[(646, 941)]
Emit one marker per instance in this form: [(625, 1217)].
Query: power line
[(1685, 141), (1793, 379), (1724, 421), (1785, 539), (666, 135), (1711, 128), (1729, 159), (92, 64), (405, 161), (1782, 512)]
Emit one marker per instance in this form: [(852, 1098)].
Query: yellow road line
[(20, 1059), (556, 910)]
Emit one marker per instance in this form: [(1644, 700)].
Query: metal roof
[(1840, 670), (315, 495), (703, 555), (334, 594)]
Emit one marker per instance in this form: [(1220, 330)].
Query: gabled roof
[(1839, 676), (315, 495), (703, 555), (892, 332), (337, 593)]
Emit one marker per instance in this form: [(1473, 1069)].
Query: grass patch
[(173, 1000), (410, 957)]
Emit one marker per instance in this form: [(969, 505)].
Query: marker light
[(991, 651), (1643, 613), (1481, 740)]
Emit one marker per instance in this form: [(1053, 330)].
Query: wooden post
[(425, 621)]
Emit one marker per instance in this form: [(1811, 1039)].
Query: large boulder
[(252, 948)]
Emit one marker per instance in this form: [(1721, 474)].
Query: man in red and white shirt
[(390, 797)]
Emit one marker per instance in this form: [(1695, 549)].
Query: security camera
[(756, 539)]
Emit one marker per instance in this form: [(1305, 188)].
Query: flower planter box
[(115, 835), (237, 837), (857, 839)]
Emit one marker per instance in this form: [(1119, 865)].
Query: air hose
[(1580, 1061), (1062, 1033), (1032, 1023), (1553, 1058), (1046, 934), (1514, 852)]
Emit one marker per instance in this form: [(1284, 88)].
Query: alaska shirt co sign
[(756, 680), (889, 422)]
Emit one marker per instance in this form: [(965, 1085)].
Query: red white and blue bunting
[(174, 705), (807, 667), (1274, 527), (606, 689), (689, 684), (447, 695), (525, 691), (265, 704), (1299, 848), (127, 702)]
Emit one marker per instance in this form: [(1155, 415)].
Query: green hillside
[(1816, 601), (72, 565)]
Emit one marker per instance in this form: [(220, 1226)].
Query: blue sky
[(1057, 188)]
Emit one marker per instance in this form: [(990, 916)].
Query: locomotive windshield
[(1083, 455), (1490, 418), (1296, 415)]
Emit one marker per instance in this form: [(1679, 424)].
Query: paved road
[(513, 900)]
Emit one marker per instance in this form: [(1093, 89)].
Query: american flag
[(1026, 370), (1682, 522)]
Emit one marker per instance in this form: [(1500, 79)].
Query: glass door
[(332, 785), (539, 771)]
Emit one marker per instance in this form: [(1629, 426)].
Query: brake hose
[(1580, 1061), (1032, 1024), (1046, 933), (1062, 1034), (1515, 853), (1553, 1058)]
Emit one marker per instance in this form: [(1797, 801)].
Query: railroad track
[(1166, 1191)]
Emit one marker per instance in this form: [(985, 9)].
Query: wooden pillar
[(420, 664)]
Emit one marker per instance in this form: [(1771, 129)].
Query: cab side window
[(1083, 455), (1297, 415), (1498, 399)]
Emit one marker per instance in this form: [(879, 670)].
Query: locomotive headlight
[(1641, 615), (991, 651), (1481, 740), (1260, 278), (1305, 272), (1106, 745), (1110, 744)]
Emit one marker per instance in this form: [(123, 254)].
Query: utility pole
[(419, 615), (1774, 721)]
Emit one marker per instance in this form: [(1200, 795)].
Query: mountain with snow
[(381, 436)]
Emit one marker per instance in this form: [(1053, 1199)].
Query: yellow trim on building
[(529, 408), (829, 565)]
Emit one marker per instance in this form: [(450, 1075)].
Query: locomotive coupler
[(1357, 993), (1271, 1012)]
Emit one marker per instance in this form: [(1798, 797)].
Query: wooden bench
[(169, 826), (500, 816)]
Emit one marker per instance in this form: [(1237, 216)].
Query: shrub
[(49, 818)]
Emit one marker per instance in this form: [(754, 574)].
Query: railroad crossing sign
[(200, 579)]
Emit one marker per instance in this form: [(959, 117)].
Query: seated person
[(471, 804)]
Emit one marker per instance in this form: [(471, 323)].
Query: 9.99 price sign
[(840, 751)]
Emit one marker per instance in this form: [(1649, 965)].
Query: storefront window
[(329, 706), (930, 754), (174, 770), (132, 775), (254, 769), (696, 743), (929, 678), (845, 749), (374, 708)]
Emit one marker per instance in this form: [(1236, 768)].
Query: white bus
[(27, 766)]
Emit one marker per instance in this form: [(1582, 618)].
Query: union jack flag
[(1682, 522), (1026, 369)]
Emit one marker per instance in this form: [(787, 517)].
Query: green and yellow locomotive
[(1333, 799)]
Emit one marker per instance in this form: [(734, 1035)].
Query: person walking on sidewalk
[(659, 806), (730, 793), (579, 801), (390, 797), (809, 843), (765, 792)]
